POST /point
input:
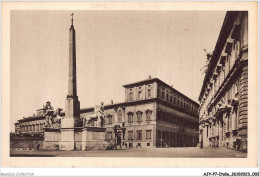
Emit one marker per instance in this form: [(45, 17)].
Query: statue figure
[(101, 115), (97, 118), (48, 114), (58, 111)]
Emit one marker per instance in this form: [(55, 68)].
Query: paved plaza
[(186, 152)]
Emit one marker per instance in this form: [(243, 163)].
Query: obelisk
[(72, 105)]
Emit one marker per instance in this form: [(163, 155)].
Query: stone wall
[(52, 140), (243, 108), (25, 142), (92, 138)]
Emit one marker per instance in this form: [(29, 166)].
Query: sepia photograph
[(143, 84)]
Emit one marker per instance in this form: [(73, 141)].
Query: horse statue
[(97, 117)]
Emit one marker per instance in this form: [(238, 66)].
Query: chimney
[(149, 77), (112, 101)]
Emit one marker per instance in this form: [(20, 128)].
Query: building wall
[(162, 91), (166, 127), (224, 101), (175, 128), (134, 124), (140, 92), (171, 96)]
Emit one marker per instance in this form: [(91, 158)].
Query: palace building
[(153, 114), (224, 93)]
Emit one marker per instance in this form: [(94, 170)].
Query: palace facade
[(224, 94)]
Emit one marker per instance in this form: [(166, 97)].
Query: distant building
[(224, 94)]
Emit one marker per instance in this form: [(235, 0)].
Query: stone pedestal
[(51, 139), (93, 138), (67, 142)]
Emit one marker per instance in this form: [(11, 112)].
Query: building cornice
[(223, 36)]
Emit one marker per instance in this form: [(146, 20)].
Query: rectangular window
[(139, 116), (139, 94), (163, 93), (139, 134), (148, 134), (148, 115), (130, 117), (109, 135), (149, 92), (130, 135), (119, 116), (109, 119), (131, 95)]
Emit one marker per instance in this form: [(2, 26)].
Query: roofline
[(31, 118), (160, 81), (141, 82)]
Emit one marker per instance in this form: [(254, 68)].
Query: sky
[(113, 48)]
